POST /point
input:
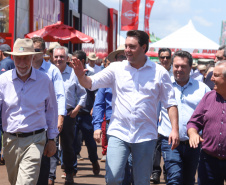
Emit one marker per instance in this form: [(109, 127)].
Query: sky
[(168, 16)]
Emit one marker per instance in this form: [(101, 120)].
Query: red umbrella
[(61, 33)]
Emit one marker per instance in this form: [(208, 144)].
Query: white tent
[(186, 38)]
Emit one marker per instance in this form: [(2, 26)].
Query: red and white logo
[(148, 5), (130, 14)]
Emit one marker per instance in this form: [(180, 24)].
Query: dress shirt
[(74, 92), (195, 74), (208, 80), (102, 105), (90, 98), (188, 97), (6, 64), (209, 116), (54, 74), (94, 69), (22, 111), (135, 95)]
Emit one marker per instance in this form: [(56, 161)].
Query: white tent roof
[(186, 38)]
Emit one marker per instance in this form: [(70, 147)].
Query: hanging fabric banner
[(130, 15), (148, 7)]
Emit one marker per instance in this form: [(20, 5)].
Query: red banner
[(130, 15), (148, 7)]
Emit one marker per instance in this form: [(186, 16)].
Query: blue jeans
[(212, 171), (84, 123), (117, 156), (180, 163)]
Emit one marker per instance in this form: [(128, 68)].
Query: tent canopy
[(186, 38)]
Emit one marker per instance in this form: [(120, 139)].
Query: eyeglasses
[(38, 50), (167, 57), (219, 58)]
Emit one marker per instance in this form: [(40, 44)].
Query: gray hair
[(61, 47), (222, 62)]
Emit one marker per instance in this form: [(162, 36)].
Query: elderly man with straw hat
[(26, 118), (91, 66)]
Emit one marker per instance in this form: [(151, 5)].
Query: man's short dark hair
[(141, 36), (183, 54), (39, 39), (79, 54), (164, 50), (223, 47)]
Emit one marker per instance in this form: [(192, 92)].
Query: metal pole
[(119, 15), (144, 13)]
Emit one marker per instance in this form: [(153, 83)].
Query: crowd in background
[(140, 111)]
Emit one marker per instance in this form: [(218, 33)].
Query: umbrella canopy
[(61, 33), (186, 38)]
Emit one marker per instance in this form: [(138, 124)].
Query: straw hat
[(112, 55), (92, 56), (201, 67), (52, 45), (194, 63), (23, 47)]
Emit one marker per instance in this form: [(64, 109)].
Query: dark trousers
[(67, 138), (212, 171), (157, 158), (84, 123), (44, 171)]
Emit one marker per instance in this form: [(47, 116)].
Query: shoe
[(64, 175), (165, 178), (69, 179), (103, 159), (50, 182), (155, 178), (96, 168), (79, 158)]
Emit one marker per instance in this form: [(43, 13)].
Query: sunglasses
[(38, 50), (167, 57), (219, 58)]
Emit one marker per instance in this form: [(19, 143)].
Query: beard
[(23, 74)]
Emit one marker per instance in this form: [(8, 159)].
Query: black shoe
[(155, 178), (165, 178), (69, 179)]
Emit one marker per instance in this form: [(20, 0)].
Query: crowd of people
[(139, 110)]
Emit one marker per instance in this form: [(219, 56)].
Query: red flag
[(148, 7), (130, 15)]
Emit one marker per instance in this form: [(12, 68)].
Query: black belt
[(185, 142), (27, 134)]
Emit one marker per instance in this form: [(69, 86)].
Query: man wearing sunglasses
[(220, 55), (164, 55)]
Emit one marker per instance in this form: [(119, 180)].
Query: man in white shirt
[(91, 66), (137, 86)]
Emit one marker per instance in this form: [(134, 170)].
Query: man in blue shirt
[(181, 163), (75, 100), (84, 121), (48, 166)]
